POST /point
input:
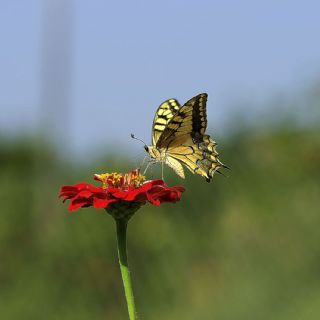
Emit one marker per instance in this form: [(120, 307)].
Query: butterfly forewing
[(190, 120), (164, 114), (199, 113)]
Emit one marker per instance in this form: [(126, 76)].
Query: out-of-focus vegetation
[(246, 246)]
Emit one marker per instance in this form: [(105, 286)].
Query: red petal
[(152, 183), (140, 193), (78, 203), (85, 193), (120, 194), (102, 203), (153, 200), (165, 194)]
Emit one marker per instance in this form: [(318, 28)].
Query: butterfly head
[(153, 152)]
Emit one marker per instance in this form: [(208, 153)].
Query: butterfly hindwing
[(175, 165), (200, 157)]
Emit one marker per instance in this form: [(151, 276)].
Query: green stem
[(123, 261)]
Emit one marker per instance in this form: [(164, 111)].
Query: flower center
[(124, 181)]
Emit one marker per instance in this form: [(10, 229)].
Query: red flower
[(120, 192)]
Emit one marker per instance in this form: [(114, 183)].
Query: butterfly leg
[(143, 161), (150, 162), (145, 170), (162, 162)]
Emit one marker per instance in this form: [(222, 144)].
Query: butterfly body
[(178, 137)]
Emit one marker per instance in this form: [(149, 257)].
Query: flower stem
[(123, 261)]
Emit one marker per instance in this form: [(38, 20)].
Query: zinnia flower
[(120, 194)]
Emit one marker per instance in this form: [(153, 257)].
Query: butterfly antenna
[(134, 137)]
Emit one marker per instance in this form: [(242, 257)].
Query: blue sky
[(121, 59)]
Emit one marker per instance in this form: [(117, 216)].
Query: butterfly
[(178, 137)]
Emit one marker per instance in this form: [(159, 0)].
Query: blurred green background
[(243, 247), (77, 77)]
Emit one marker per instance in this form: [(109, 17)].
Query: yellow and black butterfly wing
[(164, 114), (184, 139), (189, 120), (200, 157)]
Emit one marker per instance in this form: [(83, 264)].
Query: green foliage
[(243, 247)]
